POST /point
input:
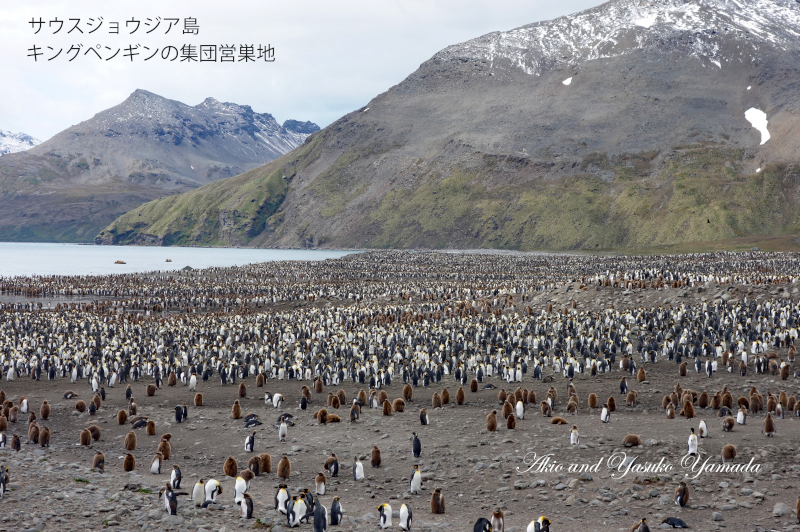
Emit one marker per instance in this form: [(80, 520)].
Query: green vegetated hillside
[(696, 194)]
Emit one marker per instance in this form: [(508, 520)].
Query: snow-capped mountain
[(14, 142), (616, 28)]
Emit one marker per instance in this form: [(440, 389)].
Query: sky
[(330, 57)]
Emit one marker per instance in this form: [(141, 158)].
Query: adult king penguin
[(385, 516), (405, 517), (416, 480), (250, 442), (692, 444), (358, 469)]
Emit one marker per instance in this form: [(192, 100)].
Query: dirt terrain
[(55, 488)]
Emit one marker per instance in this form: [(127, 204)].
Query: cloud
[(331, 56)]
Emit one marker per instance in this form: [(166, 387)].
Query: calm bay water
[(77, 259)]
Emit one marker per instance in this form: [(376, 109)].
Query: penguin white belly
[(320, 488), (405, 519), (416, 483), (297, 513), (198, 494), (574, 439), (155, 466), (282, 497), (693, 446), (238, 490), (740, 418)]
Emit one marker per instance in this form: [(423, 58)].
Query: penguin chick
[(99, 461), (682, 494), (728, 453), (497, 521), (129, 463), (375, 457), (230, 467), (437, 501), (631, 440)]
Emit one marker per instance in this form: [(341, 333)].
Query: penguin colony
[(470, 323)]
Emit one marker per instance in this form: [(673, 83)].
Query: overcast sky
[(330, 56)]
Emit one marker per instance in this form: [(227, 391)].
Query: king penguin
[(175, 478), (281, 498), (416, 480), (703, 429), (405, 517), (416, 445), (320, 517), (358, 469), (199, 493), (336, 512), (693, 443), (385, 517), (247, 506), (574, 436), (250, 442)]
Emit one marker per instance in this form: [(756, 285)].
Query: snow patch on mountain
[(622, 26), (758, 119), (14, 142)]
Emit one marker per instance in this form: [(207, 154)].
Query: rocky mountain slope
[(15, 142), (628, 125), (71, 186)]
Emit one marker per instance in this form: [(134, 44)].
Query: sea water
[(86, 259)]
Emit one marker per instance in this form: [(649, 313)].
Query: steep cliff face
[(628, 125), (73, 185)]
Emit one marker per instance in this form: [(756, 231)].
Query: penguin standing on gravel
[(416, 446), (283, 430), (703, 429), (247, 506), (358, 469), (250, 442), (175, 477), (692, 443), (170, 500), (281, 498), (320, 517), (574, 436), (199, 493), (416, 480), (385, 517), (336, 512), (405, 517), (605, 414)]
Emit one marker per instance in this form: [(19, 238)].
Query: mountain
[(71, 186), (623, 126), (14, 142)]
